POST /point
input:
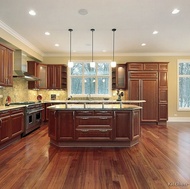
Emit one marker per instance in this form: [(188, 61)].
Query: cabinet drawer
[(135, 66), (84, 113), (144, 74), (103, 112), (93, 122), (150, 66), (17, 110), (94, 134)]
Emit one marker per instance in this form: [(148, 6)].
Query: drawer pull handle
[(103, 130), (1, 121), (84, 130), (85, 118), (103, 118)]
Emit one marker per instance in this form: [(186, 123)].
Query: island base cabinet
[(118, 128), (127, 126)]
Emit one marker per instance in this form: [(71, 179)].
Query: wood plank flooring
[(161, 160)]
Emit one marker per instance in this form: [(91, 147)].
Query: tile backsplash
[(20, 93)]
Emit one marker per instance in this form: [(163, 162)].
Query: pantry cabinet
[(148, 81), (6, 66)]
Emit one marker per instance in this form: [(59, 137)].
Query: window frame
[(178, 77), (96, 76)]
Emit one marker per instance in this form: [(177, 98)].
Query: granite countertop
[(93, 101), (93, 106), (3, 108)]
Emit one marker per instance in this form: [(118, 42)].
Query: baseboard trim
[(179, 119)]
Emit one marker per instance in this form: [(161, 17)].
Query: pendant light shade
[(113, 63), (70, 63), (92, 64)]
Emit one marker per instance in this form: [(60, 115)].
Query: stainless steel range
[(33, 116)]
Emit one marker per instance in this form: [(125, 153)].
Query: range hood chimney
[(20, 66)]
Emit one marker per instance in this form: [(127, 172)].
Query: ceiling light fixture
[(70, 63), (32, 12), (143, 44), (175, 11), (155, 32), (113, 63), (57, 45), (92, 64), (47, 33)]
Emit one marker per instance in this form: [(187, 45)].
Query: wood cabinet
[(148, 81), (123, 129), (54, 77), (94, 127), (6, 66), (40, 71), (11, 126), (119, 77)]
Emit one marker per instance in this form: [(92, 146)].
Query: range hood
[(20, 66)]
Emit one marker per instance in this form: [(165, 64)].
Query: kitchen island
[(94, 124)]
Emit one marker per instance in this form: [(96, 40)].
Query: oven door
[(38, 118), (30, 120)]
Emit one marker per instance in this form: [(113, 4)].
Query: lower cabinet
[(94, 128), (11, 126)]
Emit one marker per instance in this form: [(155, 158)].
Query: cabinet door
[(32, 69), (149, 93), (9, 68), (42, 75), (2, 65), (52, 124), (134, 89), (121, 76), (17, 124), (123, 125), (57, 77), (65, 127), (5, 127), (54, 76)]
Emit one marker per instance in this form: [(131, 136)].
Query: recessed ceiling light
[(47, 33), (83, 12), (175, 11), (143, 44), (104, 51), (57, 45), (32, 12), (155, 32)]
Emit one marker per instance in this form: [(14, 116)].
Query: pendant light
[(92, 64), (113, 63), (70, 63)]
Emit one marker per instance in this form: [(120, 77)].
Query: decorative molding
[(19, 37), (116, 55), (179, 119)]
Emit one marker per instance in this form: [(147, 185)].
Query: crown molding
[(13, 33), (116, 55)]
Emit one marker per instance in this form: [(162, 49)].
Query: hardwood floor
[(161, 160)]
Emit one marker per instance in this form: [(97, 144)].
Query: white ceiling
[(135, 20)]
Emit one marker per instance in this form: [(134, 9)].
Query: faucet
[(88, 96)]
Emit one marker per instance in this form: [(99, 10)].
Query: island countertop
[(94, 106)]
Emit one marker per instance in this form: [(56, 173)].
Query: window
[(86, 80), (184, 85)]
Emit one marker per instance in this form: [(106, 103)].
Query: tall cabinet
[(148, 81)]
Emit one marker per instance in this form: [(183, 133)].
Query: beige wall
[(172, 74)]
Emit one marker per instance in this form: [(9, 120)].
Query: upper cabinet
[(6, 66), (50, 76), (119, 77), (56, 77), (40, 71)]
